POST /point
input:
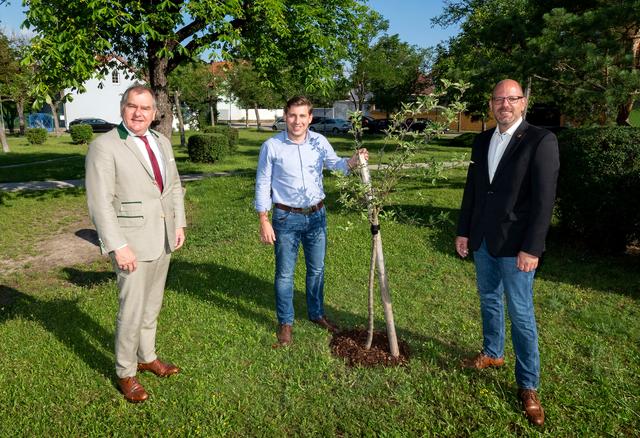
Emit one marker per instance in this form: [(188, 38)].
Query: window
[(115, 77)]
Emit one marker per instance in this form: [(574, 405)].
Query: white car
[(331, 125), (279, 124)]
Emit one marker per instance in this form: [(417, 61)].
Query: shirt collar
[(509, 131), (287, 139), (147, 132)]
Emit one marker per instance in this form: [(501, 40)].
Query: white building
[(100, 100)]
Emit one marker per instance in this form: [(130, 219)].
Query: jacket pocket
[(131, 214)]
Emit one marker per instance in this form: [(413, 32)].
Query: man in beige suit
[(136, 202)]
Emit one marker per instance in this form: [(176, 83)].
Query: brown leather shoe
[(482, 361), (532, 407), (285, 334), (325, 323), (159, 368), (132, 389)]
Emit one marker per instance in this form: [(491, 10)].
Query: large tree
[(584, 56), (251, 92), (157, 36), (360, 58), (200, 86), (395, 69)]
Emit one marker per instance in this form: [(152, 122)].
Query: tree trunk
[(20, 108), (246, 117), (372, 285), (527, 94), (180, 119), (158, 68), (624, 111), (3, 136), (54, 114), (212, 114), (379, 263), (255, 108)]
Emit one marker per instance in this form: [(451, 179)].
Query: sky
[(411, 19)]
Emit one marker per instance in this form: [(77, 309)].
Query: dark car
[(98, 125), (373, 126)]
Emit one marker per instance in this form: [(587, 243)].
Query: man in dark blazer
[(506, 210)]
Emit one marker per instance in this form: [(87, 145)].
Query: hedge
[(599, 186), (81, 133), (231, 133), (37, 135), (207, 148)]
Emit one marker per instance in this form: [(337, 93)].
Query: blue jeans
[(498, 276), (291, 229)]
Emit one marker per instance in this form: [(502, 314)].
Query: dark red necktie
[(154, 162)]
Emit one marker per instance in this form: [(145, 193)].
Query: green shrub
[(81, 133), (599, 186), (231, 133), (207, 148), (37, 135)]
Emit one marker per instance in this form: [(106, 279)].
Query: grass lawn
[(218, 324), (59, 159)]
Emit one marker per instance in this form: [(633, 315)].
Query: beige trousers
[(141, 293)]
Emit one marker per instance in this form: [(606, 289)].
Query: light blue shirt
[(291, 174)]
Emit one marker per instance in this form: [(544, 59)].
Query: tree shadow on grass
[(67, 322), (228, 288)]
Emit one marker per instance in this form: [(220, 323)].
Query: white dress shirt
[(497, 146)]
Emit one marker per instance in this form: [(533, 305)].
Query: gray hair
[(137, 88)]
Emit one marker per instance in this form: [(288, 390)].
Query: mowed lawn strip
[(218, 324), (59, 159)]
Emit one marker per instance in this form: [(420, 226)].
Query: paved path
[(67, 184), (48, 185)]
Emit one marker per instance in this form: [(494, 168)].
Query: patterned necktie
[(154, 163)]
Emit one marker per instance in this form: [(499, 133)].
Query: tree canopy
[(584, 56), (75, 38)]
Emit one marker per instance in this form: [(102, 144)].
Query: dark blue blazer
[(513, 212)]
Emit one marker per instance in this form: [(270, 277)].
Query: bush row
[(231, 133), (37, 135), (207, 148), (599, 186), (81, 133), (213, 144)]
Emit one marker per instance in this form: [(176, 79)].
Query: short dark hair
[(298, 101), (137, 88)]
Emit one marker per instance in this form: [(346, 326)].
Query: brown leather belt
[(307, 210)]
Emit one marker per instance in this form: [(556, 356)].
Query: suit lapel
[(133, 147), (513, 145)]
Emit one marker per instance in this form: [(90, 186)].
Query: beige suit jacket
[(124, 201)]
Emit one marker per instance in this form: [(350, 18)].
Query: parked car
[(279, 124), (331, 125), (98, 125), (373, 126)]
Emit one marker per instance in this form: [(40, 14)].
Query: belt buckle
[(306, 210)]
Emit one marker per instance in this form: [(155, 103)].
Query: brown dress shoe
[(532, 407), (482, 361), (325, 323), (132, 389), (285, 334), (159, 368)]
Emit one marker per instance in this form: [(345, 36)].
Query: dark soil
[(349, 345)]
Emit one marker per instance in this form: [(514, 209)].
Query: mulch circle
[(349, 345)]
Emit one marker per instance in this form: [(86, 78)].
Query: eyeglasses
[(510, 99)]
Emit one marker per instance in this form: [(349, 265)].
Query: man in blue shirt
[(289, 177)]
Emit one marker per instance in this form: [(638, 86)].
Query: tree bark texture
[(21, 119), (180, 119), (158, 69)]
